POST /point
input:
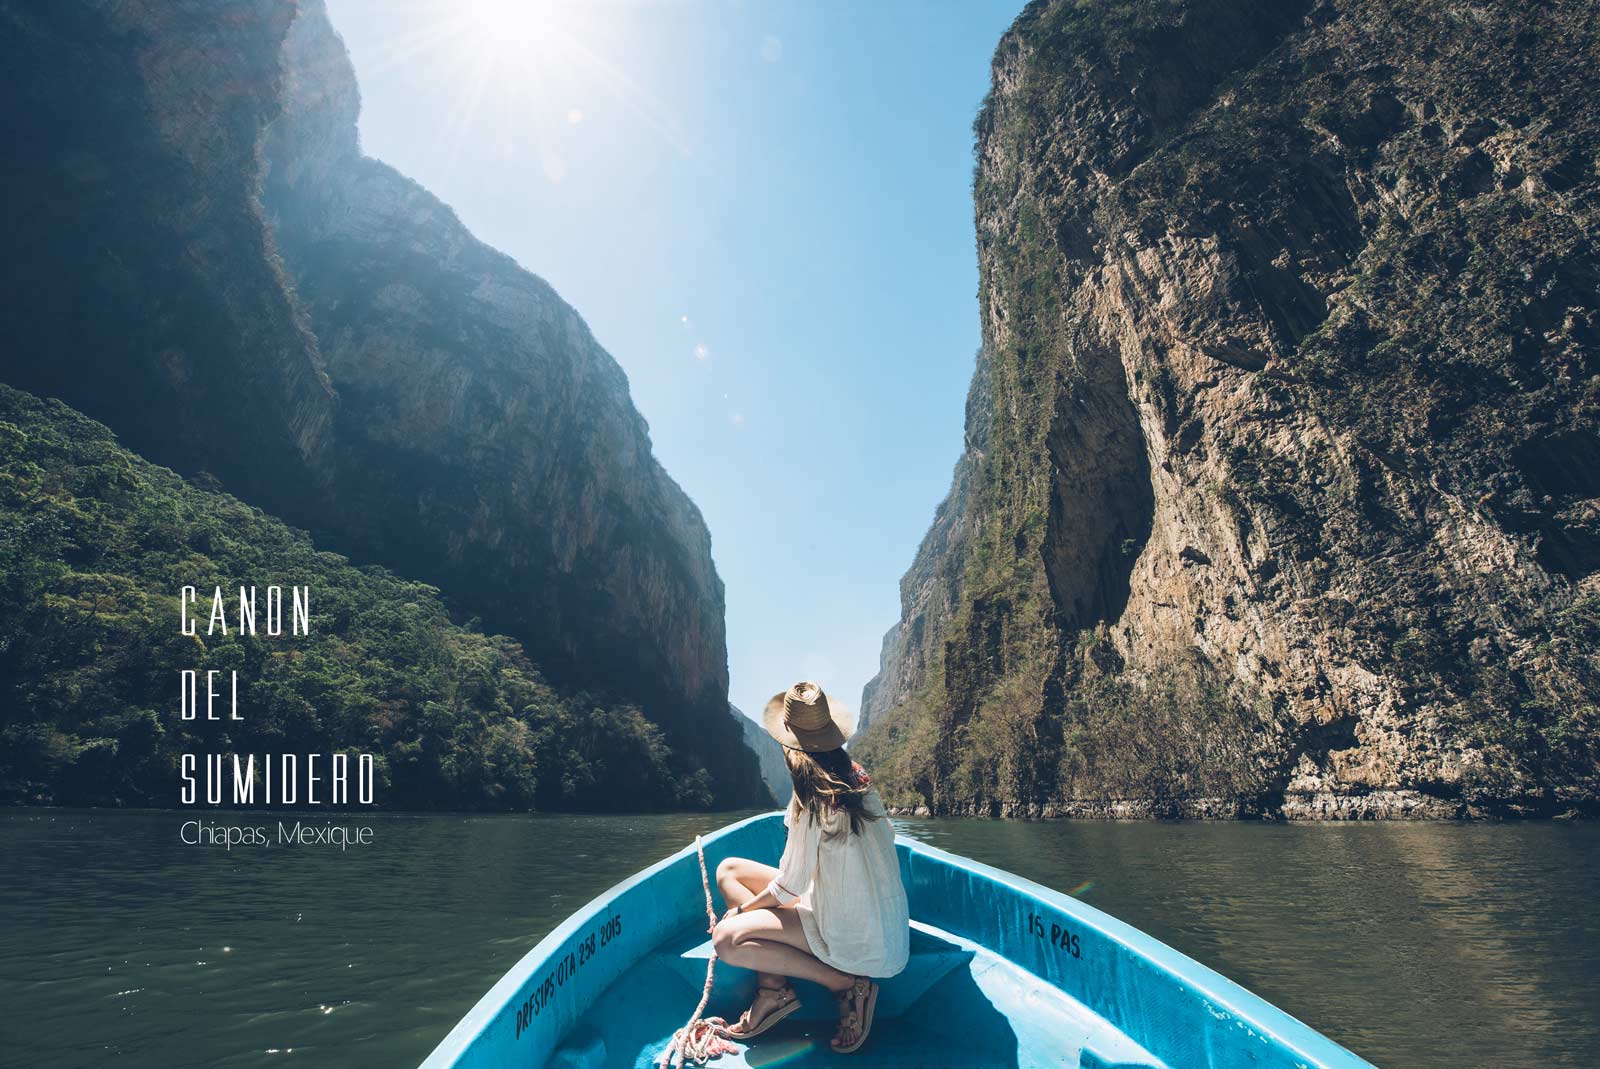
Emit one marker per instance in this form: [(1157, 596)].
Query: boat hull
[(1003, 972)]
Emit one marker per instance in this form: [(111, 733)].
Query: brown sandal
[(743, 1029), (856, 1005)]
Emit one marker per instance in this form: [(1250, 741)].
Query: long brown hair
[(829, 780)]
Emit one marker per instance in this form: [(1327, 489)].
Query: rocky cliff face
[(139, 281), (488, 443), (359, 365), (931, 590), (774, 770), (1283, 491)]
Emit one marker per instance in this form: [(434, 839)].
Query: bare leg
[(771, 942), (740, 879)]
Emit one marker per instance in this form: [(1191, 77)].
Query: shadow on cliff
[(1101, 503)]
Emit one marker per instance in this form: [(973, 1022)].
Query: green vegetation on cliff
[(95, 544)]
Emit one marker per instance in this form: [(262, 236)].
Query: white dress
[(846, 888)]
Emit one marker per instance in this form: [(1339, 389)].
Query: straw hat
[(802, 718)]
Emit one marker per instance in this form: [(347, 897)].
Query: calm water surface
[(1444, 946), (1416, 945)]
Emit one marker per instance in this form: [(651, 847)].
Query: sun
[(526, 70), (526, 39)]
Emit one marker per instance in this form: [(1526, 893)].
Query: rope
[(698, 1042)]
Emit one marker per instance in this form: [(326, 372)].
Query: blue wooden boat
[(1003, 973)]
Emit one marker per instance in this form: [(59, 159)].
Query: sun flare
[(531, 72), (525, 39)]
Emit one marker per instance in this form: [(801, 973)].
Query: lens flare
[(778, 1052)]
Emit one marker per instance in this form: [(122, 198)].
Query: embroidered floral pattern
[(863, 781)]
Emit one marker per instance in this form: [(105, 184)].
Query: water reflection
[(1416, 945), (1413, 944)]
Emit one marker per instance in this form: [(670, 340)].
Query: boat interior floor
[(955, 1005)]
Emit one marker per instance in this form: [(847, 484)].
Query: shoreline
[(1389, 807), (1396, 806)]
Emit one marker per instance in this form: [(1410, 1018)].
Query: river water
[(1430, 945)]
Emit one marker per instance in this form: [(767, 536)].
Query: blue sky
[(763, 211)]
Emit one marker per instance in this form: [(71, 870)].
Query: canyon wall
[(140, 279), (204, 262), (1281, 492), (488, 444)]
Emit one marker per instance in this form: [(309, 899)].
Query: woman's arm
[(765, 900), (794, 871)]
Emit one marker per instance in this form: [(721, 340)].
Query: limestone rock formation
[(488, 443), (207, 264), (774, 771), (140, 281), (1282, 484)]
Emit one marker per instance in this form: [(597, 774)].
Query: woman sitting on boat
[(834, 910)]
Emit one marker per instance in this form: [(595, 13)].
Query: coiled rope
[(698, 1042)]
